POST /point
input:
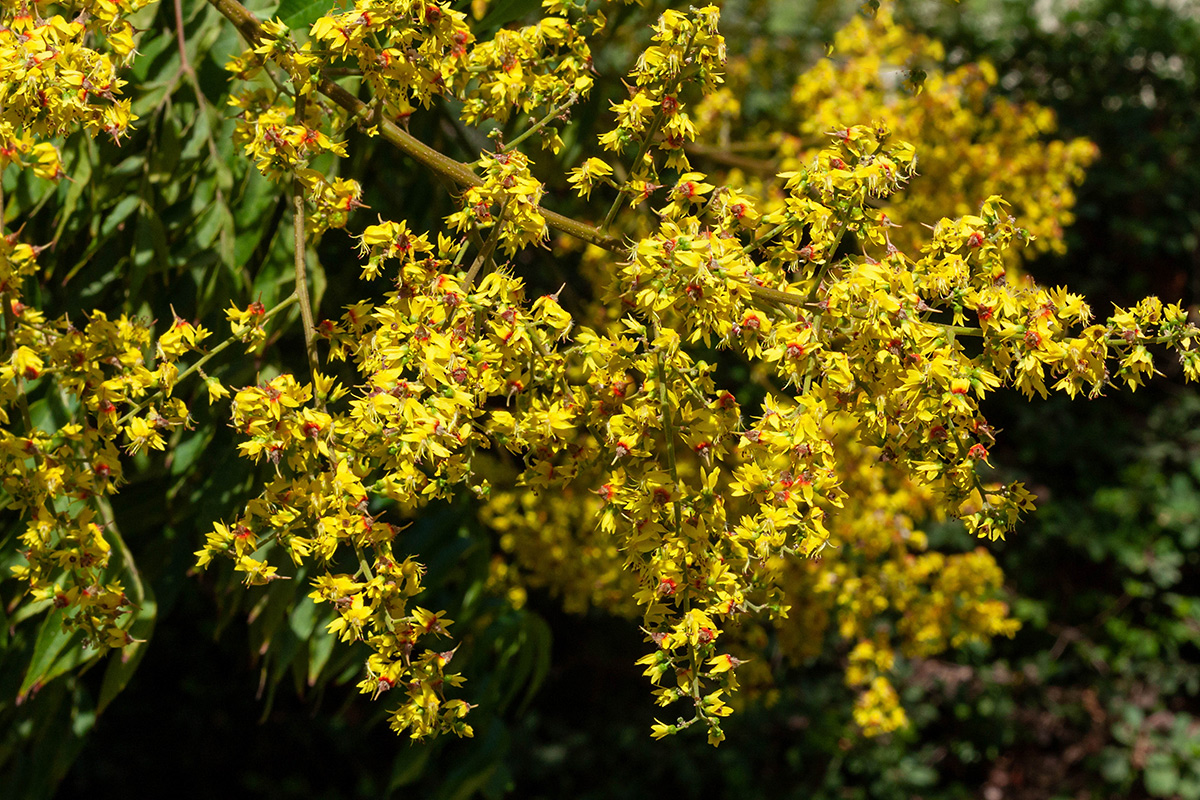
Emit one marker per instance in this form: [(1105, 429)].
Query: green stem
[(535, 337), (300, 260), (10, 319), (669, 436), (824, 268), (110, 529), (201, 362), (808, 373), (10, 330), (779, 296), (486, 251), (363, 567), (23, 405), (301, 278), (462, 252), (651, 132), (960, 330), (10, 322), (572, 98), (754, 245)]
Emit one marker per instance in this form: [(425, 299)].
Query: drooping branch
[(248, 25), (456, 171)]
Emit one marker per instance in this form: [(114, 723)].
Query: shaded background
[(1095, 697)]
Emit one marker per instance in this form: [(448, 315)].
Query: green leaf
[(472, 771), (80, 171), (539, 641), (285, 649), (408, 766), (506, 11), (1115, 766), (301, 14), (151, 253), (52, 640), (127, 205), (303, 618), (320, 648), (186, 452), (148, 51), (272, 610), (42, 415), (27, 610), (165, 158), (123, 663)]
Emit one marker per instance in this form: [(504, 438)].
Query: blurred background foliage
[(1095, 697)]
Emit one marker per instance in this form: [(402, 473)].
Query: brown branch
[(462, 174), (184, 64), (300, 255), (248, 25), (726, 158), (300, 242)]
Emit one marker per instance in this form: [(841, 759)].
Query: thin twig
[(641, 155), (486, 251), (202, 361), (543, 122), (110, 528), (657, 122), (248, 25), (723, 156), (300, 243), (184, 64), (759, 240)]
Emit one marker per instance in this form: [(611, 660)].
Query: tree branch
[(248, 25), (456, 171)]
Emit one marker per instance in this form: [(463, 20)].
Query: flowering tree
[(851, 250)]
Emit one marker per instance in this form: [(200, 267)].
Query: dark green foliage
[(1097, 694)]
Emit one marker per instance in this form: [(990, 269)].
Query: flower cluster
[(712, 513), (507, 203), (431, 358), (55, 81), (686, 48), (538, 66), (115, 394), (974, 144), (410, 52), (283, 144), (615, 466), (113, 381)]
